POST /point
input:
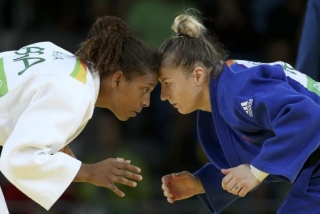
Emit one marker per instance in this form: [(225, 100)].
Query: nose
[(145, 103), (163, 95)]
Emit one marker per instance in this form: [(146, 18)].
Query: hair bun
[(109, 24), (188, 25)]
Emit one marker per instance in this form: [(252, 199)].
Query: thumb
[(226, 171), (180, 175)]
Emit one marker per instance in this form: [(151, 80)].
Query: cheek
[(187, 100), (132, 99), (183, 96)]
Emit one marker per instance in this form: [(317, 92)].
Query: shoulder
[(63, 90), (240, 80), (240, 66), (240, 73)]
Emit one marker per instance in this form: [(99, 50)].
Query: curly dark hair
[(109, 48)]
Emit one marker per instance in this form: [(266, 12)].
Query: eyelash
[(166, 84)]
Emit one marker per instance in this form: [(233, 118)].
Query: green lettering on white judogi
[(27, 59), (3, 80)]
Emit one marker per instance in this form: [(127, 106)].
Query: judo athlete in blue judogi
[(257, 122)]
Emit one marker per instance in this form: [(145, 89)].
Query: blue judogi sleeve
[(262, 117), (215, 199), (309, 48), (279, 104)]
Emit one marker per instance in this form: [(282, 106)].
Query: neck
[(104, 99), (205, 104)]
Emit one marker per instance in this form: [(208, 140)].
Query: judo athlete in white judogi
[(47, 96)]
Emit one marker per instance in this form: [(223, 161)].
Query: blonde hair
[(192, 44), (188, 25)]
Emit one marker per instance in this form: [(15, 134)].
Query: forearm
[(83, 174)]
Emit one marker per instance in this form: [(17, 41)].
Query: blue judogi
[(266, 115)]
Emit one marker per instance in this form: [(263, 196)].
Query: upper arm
[(57, 108)]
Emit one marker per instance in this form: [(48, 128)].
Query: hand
[(108, 172), (179, 186), (67, 151), (239, 180)]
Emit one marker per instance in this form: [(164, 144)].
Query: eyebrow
[(151, 84), (164, 79)]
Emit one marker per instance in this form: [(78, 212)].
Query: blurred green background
[(159, 140)]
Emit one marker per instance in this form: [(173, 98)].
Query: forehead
[(146, 79), (171, 73)]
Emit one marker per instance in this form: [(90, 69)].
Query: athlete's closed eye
[(166, 84)]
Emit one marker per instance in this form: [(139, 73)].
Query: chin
[(121, 117), (183, 112)]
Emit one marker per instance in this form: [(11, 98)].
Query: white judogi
[(46, 98)]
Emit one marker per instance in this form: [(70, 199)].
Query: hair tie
[(182, 35)]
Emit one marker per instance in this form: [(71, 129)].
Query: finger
[(170, 200), (124, 181), (166, 191), (167, 194), (128, 166), (165, 188), (129, 175), (165, 179), (235, 190), (231, 185), (122, 160), (243, 192), (115, 189), (119, 159), (225, 181)]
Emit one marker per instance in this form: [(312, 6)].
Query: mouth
[(136, 112), (174, 105)]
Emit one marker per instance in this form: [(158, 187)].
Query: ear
[(116, 79), (199, 75)]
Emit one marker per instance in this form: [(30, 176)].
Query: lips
[(137, 112)]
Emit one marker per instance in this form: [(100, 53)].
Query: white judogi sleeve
[(30, 158)]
